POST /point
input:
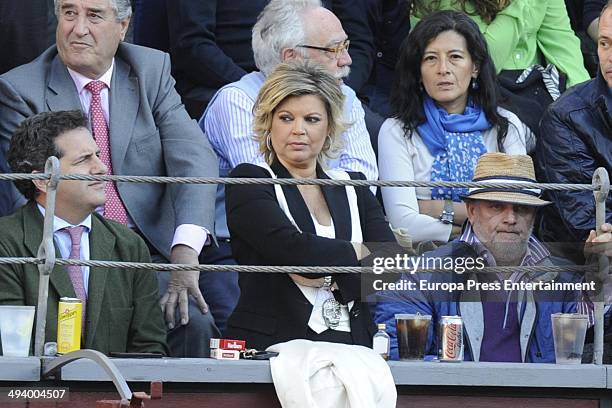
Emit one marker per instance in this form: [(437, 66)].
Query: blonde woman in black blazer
[(298, 118)]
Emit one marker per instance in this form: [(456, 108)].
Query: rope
[(288, 182), (322, 270)]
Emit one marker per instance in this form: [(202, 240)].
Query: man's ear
[(288, 54), (41, 185), (470, 208), (124, 27)]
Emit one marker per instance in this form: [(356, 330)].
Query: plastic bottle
[(381, 343)]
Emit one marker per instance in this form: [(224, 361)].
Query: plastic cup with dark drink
[(569, 330), (412, 330)]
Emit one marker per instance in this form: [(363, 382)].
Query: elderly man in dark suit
[(120, 311), (141, 127), (25, 32)]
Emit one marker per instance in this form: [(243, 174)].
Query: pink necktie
[(113, 207), (74, 271)]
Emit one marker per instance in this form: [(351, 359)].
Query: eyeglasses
[(335, 52)]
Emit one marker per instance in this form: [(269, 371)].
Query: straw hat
[(504, 168)]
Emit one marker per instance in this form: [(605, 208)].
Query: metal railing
[(46, 253)]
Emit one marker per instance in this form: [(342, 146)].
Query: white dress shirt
[(63, 241)]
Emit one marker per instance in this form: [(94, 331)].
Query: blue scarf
[(456, 143)]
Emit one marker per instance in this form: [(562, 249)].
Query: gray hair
[(122, 8), (279, 25), (605, 7)]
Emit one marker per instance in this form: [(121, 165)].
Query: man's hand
[(181, 285), (600, 244)]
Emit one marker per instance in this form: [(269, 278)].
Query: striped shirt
[(536, 252)]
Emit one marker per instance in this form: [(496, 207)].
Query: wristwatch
[(448, 214)]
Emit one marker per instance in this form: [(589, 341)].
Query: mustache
[(342, 72), (526, 232)]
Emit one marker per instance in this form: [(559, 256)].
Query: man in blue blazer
[(148, 133)]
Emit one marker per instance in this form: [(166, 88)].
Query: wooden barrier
[(210, 383)]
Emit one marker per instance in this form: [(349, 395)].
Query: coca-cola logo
[(452, 349)]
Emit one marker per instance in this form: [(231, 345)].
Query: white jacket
[(310, 374)]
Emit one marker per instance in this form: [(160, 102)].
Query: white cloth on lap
[(310, 374)]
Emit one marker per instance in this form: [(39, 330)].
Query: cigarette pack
[(221, 354), (227, 344)]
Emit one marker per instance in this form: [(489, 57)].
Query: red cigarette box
[(227, 344), (220, 354)]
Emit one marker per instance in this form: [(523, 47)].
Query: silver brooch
[(331, 313)]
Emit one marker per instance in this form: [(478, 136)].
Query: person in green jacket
[(120, 306), (520, 33)]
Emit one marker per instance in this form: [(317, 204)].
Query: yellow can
[(69, 316)]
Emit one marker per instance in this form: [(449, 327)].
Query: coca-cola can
[(450, 339)]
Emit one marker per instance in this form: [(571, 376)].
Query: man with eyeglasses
[(285, 30), (334, 53), (337, 52), (210, 41)]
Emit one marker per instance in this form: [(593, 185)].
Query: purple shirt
[(500, 340), (499, 343)]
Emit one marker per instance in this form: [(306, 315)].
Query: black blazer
[(210, 41), (26, 30), (272, 308)]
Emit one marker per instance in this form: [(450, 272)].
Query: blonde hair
[(300, 78)]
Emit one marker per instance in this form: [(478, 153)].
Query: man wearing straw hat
[(506, 316)]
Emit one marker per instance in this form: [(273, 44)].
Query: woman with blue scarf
[(446, 117)]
